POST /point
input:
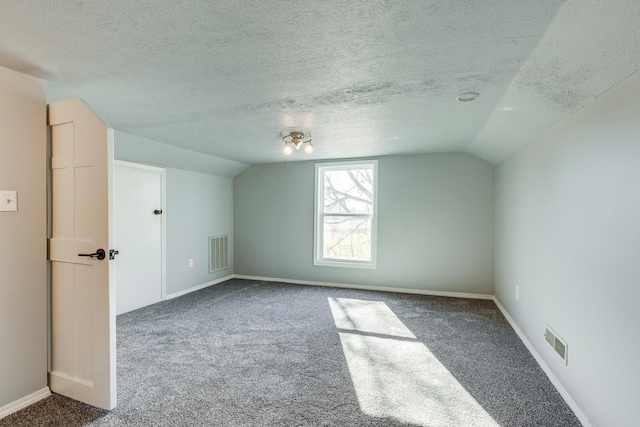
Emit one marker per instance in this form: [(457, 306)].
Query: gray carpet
[(246, 353)]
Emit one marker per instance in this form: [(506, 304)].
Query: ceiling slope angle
[(590, 47), (373, 78)]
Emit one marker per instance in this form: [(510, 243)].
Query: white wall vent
[(558, 344), (218, 253)]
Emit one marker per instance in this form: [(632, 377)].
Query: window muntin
[(345, 219)]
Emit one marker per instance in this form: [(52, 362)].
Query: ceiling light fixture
[(467, 96), (297, 139)]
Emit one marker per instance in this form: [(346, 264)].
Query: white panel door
[(139, 222), (83, 347)]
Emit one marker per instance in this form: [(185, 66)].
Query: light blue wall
[(435, 226), (198, 206), (568, 234)]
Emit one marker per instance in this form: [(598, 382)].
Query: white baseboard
[(554, 380), (24, 402), (367, 287), (198, 287)]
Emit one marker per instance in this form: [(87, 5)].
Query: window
[(345, 214)]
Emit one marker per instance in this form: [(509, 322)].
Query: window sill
[(345, 264)]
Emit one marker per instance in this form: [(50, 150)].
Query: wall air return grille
[(218, 253), (558, 344)]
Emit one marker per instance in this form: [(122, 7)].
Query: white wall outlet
[(190, 262), (8, 201), (517, 293)]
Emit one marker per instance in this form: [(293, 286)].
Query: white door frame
[(163, 176)]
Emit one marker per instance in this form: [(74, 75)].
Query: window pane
[(348, 191), (347, 238)]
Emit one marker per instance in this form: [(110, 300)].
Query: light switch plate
[(8, 201)]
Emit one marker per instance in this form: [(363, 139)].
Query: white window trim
[(317, 222)]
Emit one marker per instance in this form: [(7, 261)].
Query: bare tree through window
[(347, 212)]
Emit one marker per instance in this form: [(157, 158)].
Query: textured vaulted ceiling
[(367, 78)]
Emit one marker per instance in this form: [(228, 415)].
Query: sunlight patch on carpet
[(367, 316), (400, 378)]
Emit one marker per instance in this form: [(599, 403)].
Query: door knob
[(158, 212), (100, 254)]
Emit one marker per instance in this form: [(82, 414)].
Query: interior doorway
[(139, 223)]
